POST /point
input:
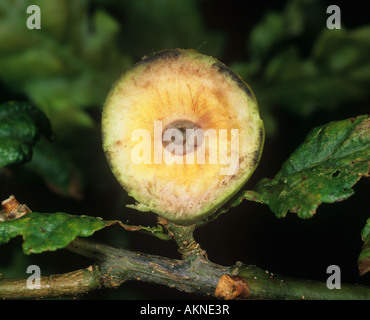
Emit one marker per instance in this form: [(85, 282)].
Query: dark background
[(250, 232)]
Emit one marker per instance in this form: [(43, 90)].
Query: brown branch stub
[(12, 209), (231, 287), (9, 204)]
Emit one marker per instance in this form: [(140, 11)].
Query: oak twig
[(68, 284), (196, 275)]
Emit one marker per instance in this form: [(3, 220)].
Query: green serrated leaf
[(52, 231), (364, 258), (323, 169), (48, 231)]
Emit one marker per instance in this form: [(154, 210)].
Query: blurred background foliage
[(302, 73)]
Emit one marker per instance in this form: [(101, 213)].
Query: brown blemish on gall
[(109, 155), (230, 287)]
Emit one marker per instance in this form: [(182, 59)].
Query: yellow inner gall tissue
[(182, 134)]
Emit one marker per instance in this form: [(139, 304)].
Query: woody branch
[(194, 274)]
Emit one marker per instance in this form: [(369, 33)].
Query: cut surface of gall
[(182, 134)]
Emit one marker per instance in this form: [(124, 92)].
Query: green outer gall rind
[(240, 88)]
